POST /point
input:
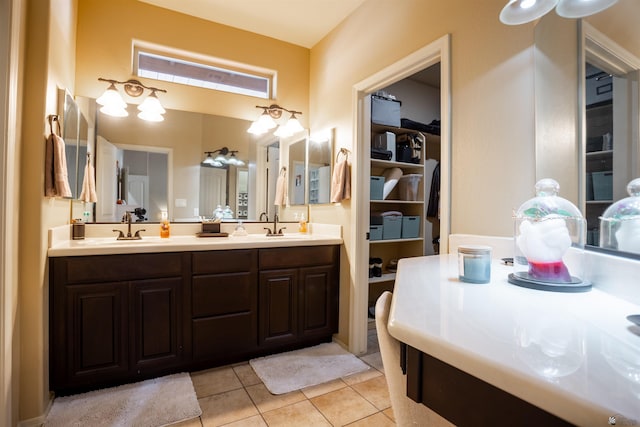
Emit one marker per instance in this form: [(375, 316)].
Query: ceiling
[(300, 22)]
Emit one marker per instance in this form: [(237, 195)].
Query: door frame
[(436, 51)]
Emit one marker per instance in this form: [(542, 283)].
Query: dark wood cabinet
[(123, 318), (114, 318), (298, 295)]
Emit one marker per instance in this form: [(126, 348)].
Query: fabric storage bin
[(375, 232), (602, 185), (391, 227), (377, 187), (385, 111), (410, 227)]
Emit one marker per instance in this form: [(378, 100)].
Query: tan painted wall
[(49, 64), (105, 50), (493, 167)]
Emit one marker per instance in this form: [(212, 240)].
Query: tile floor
[(234, 396)]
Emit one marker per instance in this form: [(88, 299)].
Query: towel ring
[(344, 151), (54, 118)]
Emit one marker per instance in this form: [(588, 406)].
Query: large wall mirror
[(155, 167), (587, 106), (75, 132)]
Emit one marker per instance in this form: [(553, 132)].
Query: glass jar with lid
[(620, 223), (549, 242)]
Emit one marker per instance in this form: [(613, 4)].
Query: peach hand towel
[(281, 189), (341, 182), (89, 184), (56, 175)]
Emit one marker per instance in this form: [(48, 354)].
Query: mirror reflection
[(600, 124), (75, 132)]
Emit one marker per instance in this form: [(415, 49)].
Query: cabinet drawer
[(109, 268), (218, 294), (212, 262), (298, 256), (219, 337)]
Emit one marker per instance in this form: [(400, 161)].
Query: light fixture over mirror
[(267, 121), (224, 157), (518, 12), (113, 105)]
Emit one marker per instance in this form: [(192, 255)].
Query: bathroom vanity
[(184, 304)]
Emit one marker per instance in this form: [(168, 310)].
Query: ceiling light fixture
[(267, 121), (224, 157), (113, 104), (518, 12)]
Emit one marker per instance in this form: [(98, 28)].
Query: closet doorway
[(433, 56)]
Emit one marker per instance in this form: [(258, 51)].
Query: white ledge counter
[(574, 355), (183, 239)]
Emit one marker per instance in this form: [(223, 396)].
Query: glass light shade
[(256, 129), (293, 125), (518, 12), (151, 104), (111, 99), (234, 161), (265, 121), (221, 159), (150, 116), (582, 8), (283, 132), (114, 111)]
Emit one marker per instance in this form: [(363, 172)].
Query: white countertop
[(574, 355), (96, 244)]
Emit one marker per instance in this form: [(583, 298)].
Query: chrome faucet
[(127, 218), (275, 231)]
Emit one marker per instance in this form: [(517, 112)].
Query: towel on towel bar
[(89, 184), (341, 181), (281, 189), (56, 176)]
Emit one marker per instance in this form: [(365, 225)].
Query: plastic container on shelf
[(549, 242), (377, 187), (410, 227), (408, 186), (620, 223)]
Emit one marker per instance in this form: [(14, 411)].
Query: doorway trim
[(434, 52)]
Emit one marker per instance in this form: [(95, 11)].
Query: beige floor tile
[(265, 401), (362, 376), (193, 422), (255, 421), (319, 389), (376, 420), (246, 374), (214, 381), (375, 391), (374, 359), (389, 413), (343, 406), (299, 414), (225, 408)]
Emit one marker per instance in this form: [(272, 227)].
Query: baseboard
[(38, 421)]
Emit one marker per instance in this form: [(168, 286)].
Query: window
[(171, 69)]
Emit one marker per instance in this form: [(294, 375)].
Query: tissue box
[(210, 227)]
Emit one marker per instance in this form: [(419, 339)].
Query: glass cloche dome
[(549, 242), (620, 223)]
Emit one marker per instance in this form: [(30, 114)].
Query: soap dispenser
[(620, 223), (302, 224), (164, 225), (549, 242)]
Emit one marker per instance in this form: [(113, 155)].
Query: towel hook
[(54, 118), (345, 152)]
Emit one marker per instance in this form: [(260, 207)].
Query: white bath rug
[(285, 372), (156, 402)]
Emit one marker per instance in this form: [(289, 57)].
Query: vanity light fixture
[(224, 157), (113, 104), (267, 121), (518, 12)]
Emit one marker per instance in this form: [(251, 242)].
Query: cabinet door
[(318, 298), (156, 324), (278, 306), (96, 332)]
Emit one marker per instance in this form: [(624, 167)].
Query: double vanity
[(123, 311)]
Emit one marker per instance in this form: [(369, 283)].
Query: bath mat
[(285, 372), (156, 402)]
